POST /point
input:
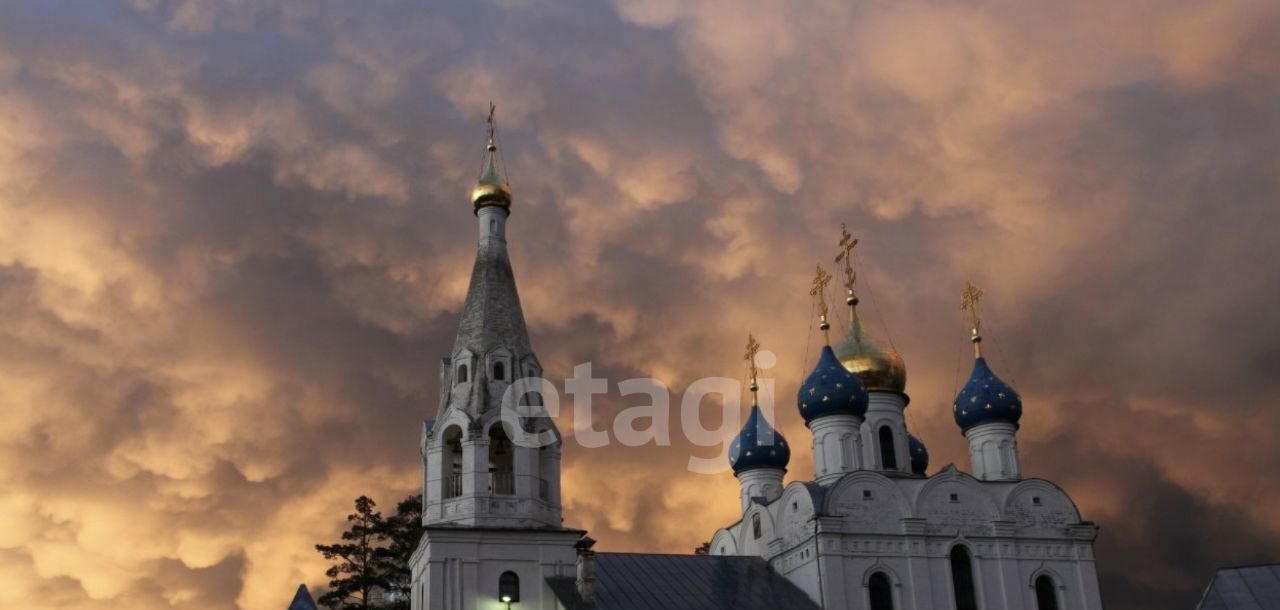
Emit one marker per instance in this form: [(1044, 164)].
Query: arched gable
[(795, 510), (1044, 570), (454, 418), (748, 542), (1037, 506), (952, 502), (868, 501), (880, 566), (722, 543)]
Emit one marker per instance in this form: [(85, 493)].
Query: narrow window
[(509, 587), (962, 579), (755, 526), (954, 497), (1035, 500), (881, 593), (493, 226), (887, 457), (866, 494), (462, 374), (1046, 598), (499, 371)]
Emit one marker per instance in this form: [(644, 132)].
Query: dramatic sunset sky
[(235, 237)]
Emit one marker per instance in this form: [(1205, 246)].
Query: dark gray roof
[(302, 600), (1243, 588), (635, 581), (492, 317)]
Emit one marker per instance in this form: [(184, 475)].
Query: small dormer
[(499, 365), (463, 367)]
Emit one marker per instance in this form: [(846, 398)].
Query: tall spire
[(491, 187), (969, 302), (492, 317)]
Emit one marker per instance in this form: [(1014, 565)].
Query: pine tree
[(403, 531), (359, 576)]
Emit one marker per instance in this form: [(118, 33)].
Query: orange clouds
[(234, 237)]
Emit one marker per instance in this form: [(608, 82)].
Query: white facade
[(833, 537)]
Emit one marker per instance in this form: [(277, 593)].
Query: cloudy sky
[(235, 237)]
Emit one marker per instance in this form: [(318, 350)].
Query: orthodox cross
[(847, 244), (969, 302), (753, 348), (492, 108), (820, 281)]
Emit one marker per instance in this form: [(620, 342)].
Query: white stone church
[(872, 530)]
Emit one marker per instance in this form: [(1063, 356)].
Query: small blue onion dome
[(919, 455), (831, 389), (985, 398), (759, 445)]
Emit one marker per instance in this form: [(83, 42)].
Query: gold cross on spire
[(492, 109), (969, 302), (819, 289), (753, 348), (847, 244)]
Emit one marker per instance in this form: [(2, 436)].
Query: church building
[(871, 531)]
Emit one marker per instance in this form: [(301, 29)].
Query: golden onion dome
[(877, 367), (490, 188)]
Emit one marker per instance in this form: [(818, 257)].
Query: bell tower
[(491, 458)]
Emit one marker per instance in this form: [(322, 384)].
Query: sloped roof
[(302, 600), (1243, 588), (636, 581), (491, 316)]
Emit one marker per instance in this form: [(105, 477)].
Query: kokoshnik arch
[(872, 530)]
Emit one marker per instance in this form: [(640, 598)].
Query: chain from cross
[(969, 302), (847, 244)]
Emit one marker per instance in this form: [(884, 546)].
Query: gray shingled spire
[(491, 317)]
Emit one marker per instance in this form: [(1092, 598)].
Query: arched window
[(881, 593), (499, 371), (962, 579), (452, 462), (1046, 597), (888, 459), (502, 479), (509, 587), (755, 526), (462, 373)]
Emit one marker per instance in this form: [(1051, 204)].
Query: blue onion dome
[(985, 398), (878, 367), (919, 455), (830, 390), (759, 445)]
